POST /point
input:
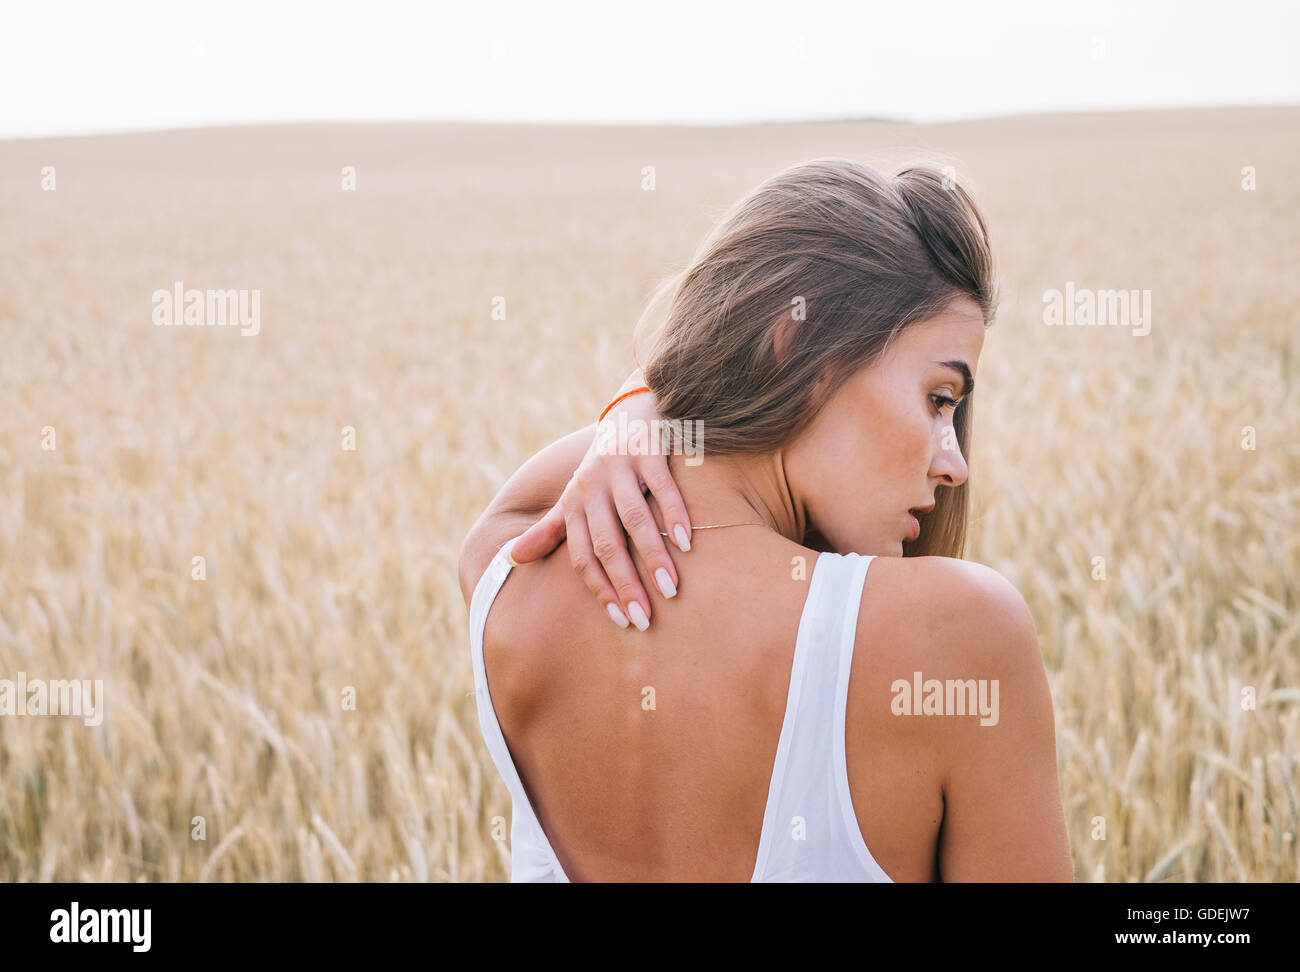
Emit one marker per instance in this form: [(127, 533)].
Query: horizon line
[(536, 123)]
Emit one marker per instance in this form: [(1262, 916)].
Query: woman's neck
[(737, 489)]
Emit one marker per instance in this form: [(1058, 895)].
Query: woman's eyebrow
[(964, 370)]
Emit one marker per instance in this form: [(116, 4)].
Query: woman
[(790, 716)]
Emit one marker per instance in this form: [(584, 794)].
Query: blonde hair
[(862, 256)]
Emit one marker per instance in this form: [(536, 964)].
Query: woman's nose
[(950, 466)]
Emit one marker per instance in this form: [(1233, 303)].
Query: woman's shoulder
[(951, 609), (482, 543), (951, 582), (939, 621)]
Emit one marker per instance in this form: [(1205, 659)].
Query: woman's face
[(885, 443)]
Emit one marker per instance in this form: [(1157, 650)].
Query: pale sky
[(84, 67)]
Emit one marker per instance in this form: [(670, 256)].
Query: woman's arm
[(1003, 818)]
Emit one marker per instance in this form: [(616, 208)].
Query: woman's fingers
[(640, 525), (540, 538), (677, 523), (588, 566), (609, 544)]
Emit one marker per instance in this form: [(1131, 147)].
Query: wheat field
[(297, 706)]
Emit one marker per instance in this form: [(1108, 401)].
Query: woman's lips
[(916, 526)]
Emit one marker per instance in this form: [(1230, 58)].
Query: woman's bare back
[(648, 755)]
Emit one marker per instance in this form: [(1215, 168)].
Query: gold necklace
[(718, 526)]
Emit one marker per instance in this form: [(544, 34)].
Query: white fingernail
[(637, 613), (666, 587), (619, 617), (679, 532)]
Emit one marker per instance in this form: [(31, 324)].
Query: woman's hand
[(604, 497)]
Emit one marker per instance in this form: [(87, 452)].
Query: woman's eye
[(942, 400)]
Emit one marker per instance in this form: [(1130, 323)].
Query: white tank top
[(810, 831)]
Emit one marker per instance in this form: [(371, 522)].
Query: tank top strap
[(811, 831)]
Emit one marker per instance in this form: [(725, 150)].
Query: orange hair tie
[(645, 388)]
